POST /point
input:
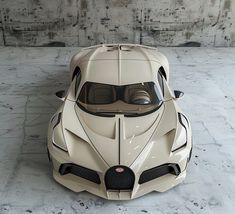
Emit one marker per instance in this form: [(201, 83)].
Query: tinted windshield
[(134, 99)]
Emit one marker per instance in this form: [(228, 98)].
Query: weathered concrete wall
[(89, 22)]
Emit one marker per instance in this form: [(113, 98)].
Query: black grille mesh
[(119, 180)]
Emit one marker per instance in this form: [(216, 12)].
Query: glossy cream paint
[(99, 143)]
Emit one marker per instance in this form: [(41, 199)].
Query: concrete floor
[(29, 77)]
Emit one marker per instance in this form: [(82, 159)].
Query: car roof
[(119, 64)]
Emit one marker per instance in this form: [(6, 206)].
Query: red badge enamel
[(119, 169)]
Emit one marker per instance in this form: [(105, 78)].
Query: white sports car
[(119, 133)]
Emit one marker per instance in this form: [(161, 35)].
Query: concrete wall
[(89, 22)]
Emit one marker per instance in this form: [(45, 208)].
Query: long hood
[(119, 140)]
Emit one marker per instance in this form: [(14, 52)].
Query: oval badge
[(119, 169)]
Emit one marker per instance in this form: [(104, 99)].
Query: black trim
[(178, 94), (190, 154), (80, 171), (162, 76), (59, 147), (114, 114), (61, 94), (117, 181), (186, 119), (76, 70), (180, 120), (48, 155), (58, 120), (180, 147), (162, 71), (159, 171)]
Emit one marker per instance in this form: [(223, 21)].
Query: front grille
[(119, 180), (80, 171), (159, 171)]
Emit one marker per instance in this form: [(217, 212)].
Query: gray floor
[(29, 77)]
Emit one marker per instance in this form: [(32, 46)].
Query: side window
[(160, 80), (78, 80)]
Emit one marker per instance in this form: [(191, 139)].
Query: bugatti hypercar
[(119, 133)]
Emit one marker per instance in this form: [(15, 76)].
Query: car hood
[(119, 139)]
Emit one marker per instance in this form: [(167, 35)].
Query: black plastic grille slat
[(158, 171), (80, 171), (119, 180)]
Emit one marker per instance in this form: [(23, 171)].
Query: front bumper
[(78, 183)]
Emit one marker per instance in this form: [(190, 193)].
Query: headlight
[(181, 140), (57, 133)]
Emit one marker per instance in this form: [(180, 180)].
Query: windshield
[(134, 99)]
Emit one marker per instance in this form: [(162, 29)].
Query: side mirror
[(61, 94), (178, 94)]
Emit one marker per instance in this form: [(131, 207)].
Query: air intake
[(80, 171), (159, 171)]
